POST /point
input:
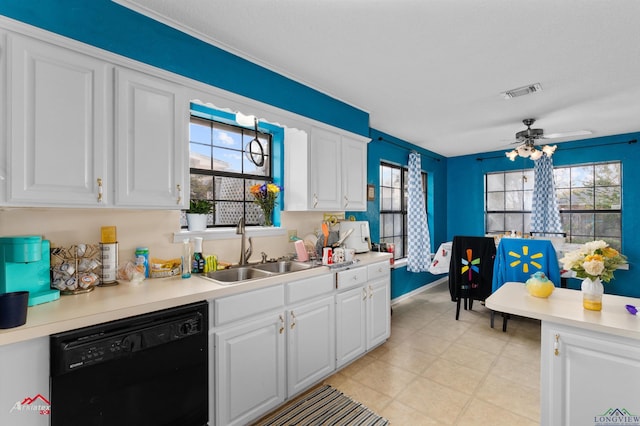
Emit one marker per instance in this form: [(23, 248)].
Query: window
[(223, 171), (589, 199), (393, 206), (508, 198), (590, 202)]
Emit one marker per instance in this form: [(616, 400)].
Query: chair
[(517, 259), (471, 270)]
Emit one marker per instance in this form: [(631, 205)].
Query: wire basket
[(75, 269)]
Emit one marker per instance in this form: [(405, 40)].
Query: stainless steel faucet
[(244, 253)]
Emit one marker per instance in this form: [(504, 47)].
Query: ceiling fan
[(527, 141), (533, 134)]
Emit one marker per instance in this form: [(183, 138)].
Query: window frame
[(567, 213), (400, 240), (248, 179)]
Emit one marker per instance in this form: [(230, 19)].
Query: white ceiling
[(431, 72)]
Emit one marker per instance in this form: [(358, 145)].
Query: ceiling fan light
[(549, 150), (512, 155), (535, 154)]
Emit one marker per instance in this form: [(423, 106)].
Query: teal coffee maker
[(24, 266)]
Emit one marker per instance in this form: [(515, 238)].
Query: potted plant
[(197, 214)]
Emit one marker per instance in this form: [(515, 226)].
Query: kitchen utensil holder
[(75, 269)]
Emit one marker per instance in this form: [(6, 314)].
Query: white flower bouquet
[(594, 260)]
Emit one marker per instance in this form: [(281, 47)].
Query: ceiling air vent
[(521, 91)]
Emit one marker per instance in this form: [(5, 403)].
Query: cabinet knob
[(370, 292), (315, 201), (556, 345), (364, 293), (346, 201), (179, 190), (99, 180), (281, 324)]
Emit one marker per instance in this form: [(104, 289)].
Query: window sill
[(228, 233), (400, 263)]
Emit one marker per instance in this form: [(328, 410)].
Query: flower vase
[(267, 215), (592, 291)]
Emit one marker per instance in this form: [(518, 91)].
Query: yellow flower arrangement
[(265, 196), (595, 259)]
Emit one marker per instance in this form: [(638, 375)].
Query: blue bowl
[(13, 309)]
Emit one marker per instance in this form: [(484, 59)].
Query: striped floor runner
[(324, 406)]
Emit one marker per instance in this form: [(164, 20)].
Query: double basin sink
[(239, 274)]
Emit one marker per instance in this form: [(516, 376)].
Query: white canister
[(338, 255)]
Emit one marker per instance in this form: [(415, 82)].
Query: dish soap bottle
[(198, 259), (186, 259)]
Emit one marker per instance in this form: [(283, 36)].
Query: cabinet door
[(59, 126), (378, 312), (350, 325), (592, 377), (354, 175), (25, 383), (249, 369), (325, 170), (151, 142), (311, 353)]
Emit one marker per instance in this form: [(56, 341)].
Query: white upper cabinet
[(59, 124), (77, 140), (354, 174), (151, 141), (325, 171)]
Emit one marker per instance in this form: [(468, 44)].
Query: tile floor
[(435, 370)]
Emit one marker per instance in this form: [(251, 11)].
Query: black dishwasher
[(150, 369)]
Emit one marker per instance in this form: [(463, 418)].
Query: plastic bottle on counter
[(198, 260), (186, 259), (142, 258)]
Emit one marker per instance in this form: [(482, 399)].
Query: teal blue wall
[(112, 27), (465, 201), (396, 151)]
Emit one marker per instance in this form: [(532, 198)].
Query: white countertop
[(125, 300), (564, 306)]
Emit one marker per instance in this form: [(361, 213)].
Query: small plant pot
[(196, 222), (13, 309)]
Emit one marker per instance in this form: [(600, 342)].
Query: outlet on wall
[(292, 233)]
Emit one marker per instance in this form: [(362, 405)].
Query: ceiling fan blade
[(567, 134)]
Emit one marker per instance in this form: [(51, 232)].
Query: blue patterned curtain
[(545, 216), (419, 241)]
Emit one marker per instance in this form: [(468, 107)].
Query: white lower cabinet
[(588, 378), (269, 345), (249, 369), (363, 310), (24, 383), (378, 312), (350, 319), (311, 353)]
